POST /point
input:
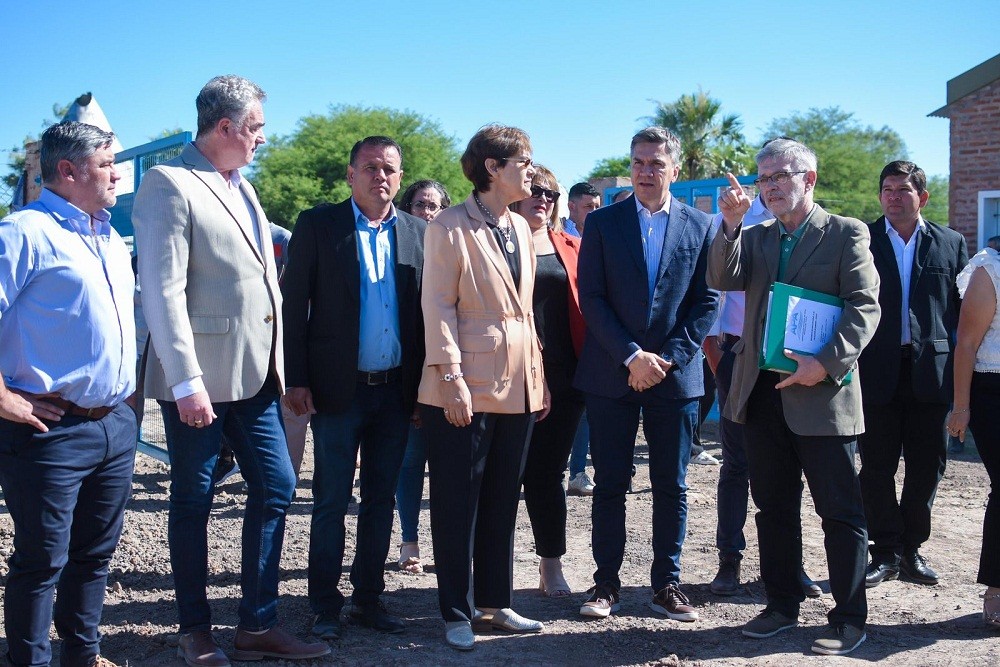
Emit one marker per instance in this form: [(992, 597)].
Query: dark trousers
[(475, 484), (551, 442), (984, 403), (669, 427), (66, 492), (254, 430), (377, 423), (777, 459), (734, 477), (705, 404), (903, 425)]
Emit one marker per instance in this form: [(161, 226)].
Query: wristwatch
[(451, 377)]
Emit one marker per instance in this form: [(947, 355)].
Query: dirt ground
[(908, 624)]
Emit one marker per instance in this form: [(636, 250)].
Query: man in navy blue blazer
[(648, 309)]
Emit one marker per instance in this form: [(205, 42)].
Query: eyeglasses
[(538, 192), (776, 178), (430, 207), (518, 160)]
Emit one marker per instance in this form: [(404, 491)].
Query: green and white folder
[(801, 320)]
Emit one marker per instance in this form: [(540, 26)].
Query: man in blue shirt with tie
[(354, 350), (67, 358)]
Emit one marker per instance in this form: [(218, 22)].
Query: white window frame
[(984, 195)]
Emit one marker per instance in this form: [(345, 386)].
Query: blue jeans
[(377, 423), (254, 430), (581, 445), (734, 478), (410, 488), (66, 492), (669, 425)]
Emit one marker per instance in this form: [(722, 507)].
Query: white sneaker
[(706, 459), (580, 485)]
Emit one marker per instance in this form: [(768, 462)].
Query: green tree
[(611, 167), (309, 166), (15, 161), (937, 205), (711, 142), (850, 157)]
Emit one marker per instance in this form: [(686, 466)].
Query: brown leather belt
[(71, 408)]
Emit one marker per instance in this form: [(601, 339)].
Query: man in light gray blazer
[(211, 298), (808, 421)]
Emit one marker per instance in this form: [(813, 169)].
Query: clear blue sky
[(577, 75)]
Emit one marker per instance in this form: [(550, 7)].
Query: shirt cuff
[(187, 387), (631, 357)]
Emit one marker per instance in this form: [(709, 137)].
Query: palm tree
[(707, 138)]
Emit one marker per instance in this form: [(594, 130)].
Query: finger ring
[(197, 422)]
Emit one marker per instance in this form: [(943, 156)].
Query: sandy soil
[(908, 624)]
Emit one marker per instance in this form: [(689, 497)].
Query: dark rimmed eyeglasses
[(428, 206), (538, 192), (776, 178)]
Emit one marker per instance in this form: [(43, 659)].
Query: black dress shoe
[(327, 626), (809, 587), (879, 571), (727, 581), (915, 568), (376, 617)]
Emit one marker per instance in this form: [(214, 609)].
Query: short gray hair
[(659, 135), (73, 141), (801, 156), (229, 97)]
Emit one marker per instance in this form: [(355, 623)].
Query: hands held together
[(647, 370)]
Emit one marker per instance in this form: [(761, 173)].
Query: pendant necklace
[(504, 231)]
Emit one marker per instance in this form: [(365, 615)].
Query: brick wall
[(975, 157)]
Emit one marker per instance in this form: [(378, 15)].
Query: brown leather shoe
[(275, 643), (200, 650)]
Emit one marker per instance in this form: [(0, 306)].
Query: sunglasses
[(538, 192)]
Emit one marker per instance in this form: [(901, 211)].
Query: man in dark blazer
[(647, 309), (906, 375), (355, 346)]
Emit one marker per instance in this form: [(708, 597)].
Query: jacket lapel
[(488, 245), (628, 227), (344, 242), (924, 243), (402, 233), (771, 248), (882, 246), (214, 181), (811, 237), (676, 222)]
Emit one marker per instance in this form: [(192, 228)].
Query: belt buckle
[(371, 378)]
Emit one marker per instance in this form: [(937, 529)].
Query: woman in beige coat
[(482, 385)]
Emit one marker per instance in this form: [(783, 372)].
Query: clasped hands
[(646, 370)]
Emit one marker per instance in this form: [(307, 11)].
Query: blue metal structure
[(689, 192), (133, 163)]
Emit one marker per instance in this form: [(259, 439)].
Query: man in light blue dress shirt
[(354, 350), (67, 358)]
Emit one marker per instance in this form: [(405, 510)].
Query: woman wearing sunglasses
[(561, 329), (482, 386), (424, 199)]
